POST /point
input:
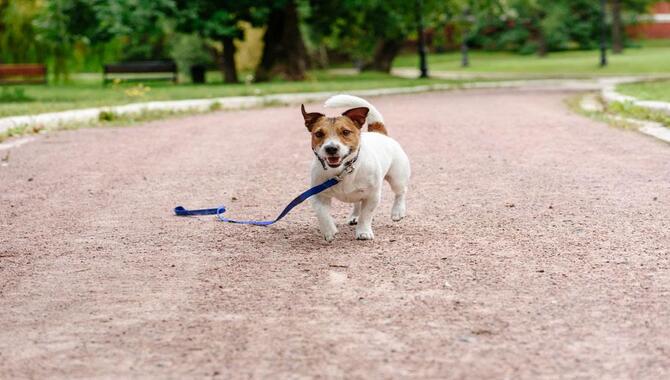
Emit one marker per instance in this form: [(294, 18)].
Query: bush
[(564, 24), (188, 50), (14, 95)]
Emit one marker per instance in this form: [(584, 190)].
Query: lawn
[(659, 90), (87, 91), (652, 57)]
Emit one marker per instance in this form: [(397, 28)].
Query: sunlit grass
[(87, 91), (659, 90), (652, 57)]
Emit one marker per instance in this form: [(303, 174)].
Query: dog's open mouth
[(334, 161)]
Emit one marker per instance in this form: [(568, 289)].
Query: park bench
[(23, 74), (152, 70)]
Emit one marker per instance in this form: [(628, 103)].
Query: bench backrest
[(145, 67), (141, 67), (23, 73)]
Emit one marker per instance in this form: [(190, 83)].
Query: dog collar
[(348, 166)]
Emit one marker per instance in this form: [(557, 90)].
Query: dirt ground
[(537, 246)]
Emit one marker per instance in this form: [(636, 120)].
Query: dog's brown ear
[(357, 115), (310, 118)]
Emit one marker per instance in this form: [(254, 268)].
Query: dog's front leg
[(327, 225), (368, 206)]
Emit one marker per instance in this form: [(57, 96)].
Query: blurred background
[(63, 54)]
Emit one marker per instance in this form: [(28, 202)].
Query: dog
[(362, 160)]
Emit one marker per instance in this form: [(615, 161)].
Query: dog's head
[(335, 138)]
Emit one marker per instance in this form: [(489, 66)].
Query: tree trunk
[(284, 51), (465, 57), (617, 27), (541, 43), (537, 32), (385, 53), (228, 63), (61, 72)]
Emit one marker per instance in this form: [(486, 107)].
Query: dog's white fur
[(343, 101), (380, 158)]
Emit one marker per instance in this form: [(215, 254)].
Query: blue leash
[(348, 169), (181, 211)]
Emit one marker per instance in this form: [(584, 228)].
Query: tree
[(538, 26), (144, 26), (62, 24), (462, 14), (617, 27), (284, 50), (372, 32), (17, 32), (56, 25), (220, 21), (216, 21)]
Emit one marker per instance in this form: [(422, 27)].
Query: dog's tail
[(375, 119)]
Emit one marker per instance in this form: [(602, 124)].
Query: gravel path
[(537, 246)]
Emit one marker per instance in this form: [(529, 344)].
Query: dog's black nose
[(331, 149)]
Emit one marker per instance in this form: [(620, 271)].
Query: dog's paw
[(353, 220), (330, 235), (365, 235), (398, 211)]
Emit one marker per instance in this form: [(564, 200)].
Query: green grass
[(659, 90), (640, 113), (87, 91), (651, 58), (613, 112)]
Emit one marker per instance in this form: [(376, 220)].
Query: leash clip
[(347, 170)]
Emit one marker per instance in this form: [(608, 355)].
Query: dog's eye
[(346, 132), (319, 134)]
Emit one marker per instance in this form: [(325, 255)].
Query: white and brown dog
[(369, 158)]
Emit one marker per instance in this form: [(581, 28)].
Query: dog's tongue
[(333, 160)]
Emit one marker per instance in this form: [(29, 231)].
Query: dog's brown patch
[(310, 118), (378, 127), (357, 115)]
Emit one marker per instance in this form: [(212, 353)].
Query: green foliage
[(638, 6), (356, 27), (215, 20), (60, 25), (107, 116), (143, 26), (75, 35), (14, 95), (18, 41), (526, 26), (188, 50)]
